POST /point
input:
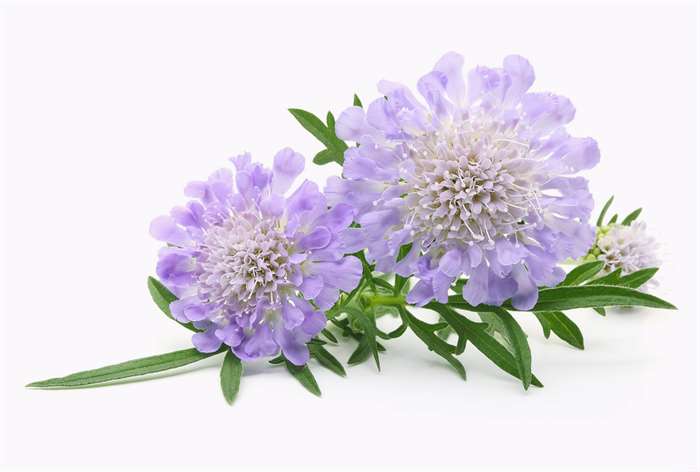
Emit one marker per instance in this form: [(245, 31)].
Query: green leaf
[(563, 327), (613, 219), (613, 278), (369, 327), (599, 310), (638, 278), (304, 376), (591, 296), (631, 217), (424, 331), (329, 335), (326, 134), (356, 101), (582, 273), (546, 329), (521, 348), (326, 156), (163, 298), (393, 334), (314, 125), (277, 360), (599, 222), (399, 281), (326, 359), (123, 370), (486, 344), (231, 371)]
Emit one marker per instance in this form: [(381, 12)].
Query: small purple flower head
[(479, 177), (254, 269)]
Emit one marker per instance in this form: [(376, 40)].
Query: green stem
[(386, 300)]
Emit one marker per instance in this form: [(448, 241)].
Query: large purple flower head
[(245, 261), (479, 177)]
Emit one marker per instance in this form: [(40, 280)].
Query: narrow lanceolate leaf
[(356, 101), (613, 278), (631, 217), (137, 367), (163, 298), (601, 217), (638, 278), (330, 122), (563, 327), (277, 360), (329, 335), (326, 359), (521, 348), (591, 296), (424, 331), (487, 345), (613, 219), (369, 328), (304, 376), (313, 125), (231, 371), (584, 272), (546, 329)]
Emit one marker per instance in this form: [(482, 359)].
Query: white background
[(109, 111)]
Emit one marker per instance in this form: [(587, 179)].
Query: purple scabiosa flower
[(254, 269), (479, 177)]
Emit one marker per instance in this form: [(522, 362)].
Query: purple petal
[(343, 274), (206, 341), (286, 167), (421, 293), (451, 263), (165, 229), (317, 239), (450, 66), (351, 125)]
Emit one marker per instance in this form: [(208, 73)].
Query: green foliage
[(601, 217), (325, 133), (123, 370), (304, 376), (230, 376), (426, 333)]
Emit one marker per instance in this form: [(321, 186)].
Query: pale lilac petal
[(165, 229), (287, 167), (206, 341)]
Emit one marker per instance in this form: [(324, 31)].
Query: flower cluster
[(479, 178), (252, 269), (626, 247)]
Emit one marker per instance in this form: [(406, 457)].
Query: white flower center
[(245, 259), (471, 182)]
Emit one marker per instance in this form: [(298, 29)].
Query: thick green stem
[(386, 300)]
